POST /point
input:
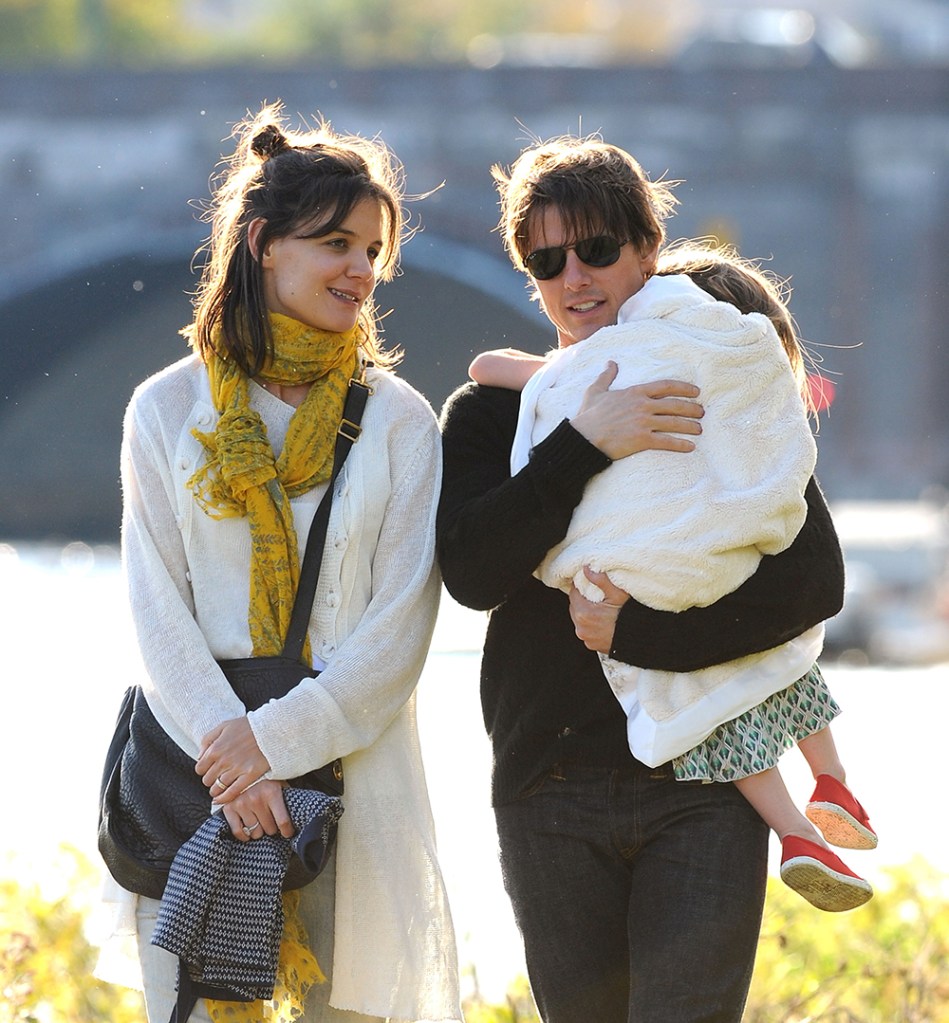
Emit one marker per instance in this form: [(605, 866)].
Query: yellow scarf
[(241, 476)]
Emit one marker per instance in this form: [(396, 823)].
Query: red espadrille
[(841, 819), (821, 877)]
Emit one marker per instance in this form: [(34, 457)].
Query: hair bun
[(268, 142)]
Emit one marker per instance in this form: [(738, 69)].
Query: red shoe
[(821, 877), (841, 819)]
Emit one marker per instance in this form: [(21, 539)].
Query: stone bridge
[(839, 178)]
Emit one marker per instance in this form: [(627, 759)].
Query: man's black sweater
[(543, 694)]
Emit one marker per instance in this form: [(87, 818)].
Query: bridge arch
[(79, 342)]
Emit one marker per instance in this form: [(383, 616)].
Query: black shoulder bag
[(151, 800)]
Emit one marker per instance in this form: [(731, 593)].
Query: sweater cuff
[(566, 459), (641, 637)]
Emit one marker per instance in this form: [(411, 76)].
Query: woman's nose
[(361, 265)]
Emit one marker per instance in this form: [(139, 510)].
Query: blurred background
[(812, 135), (815, 137)]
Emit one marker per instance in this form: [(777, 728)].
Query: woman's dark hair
[(291, 180)]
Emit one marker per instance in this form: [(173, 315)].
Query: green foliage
[(372, 32), (46, 962), (887, 962), (88, 32), (518, 1007), (360, 33)]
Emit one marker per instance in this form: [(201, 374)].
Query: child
[(729, 722)]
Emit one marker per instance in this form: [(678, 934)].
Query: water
[(66, 651)]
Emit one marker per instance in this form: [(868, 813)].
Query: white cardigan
[(375, 609), (682, 530)]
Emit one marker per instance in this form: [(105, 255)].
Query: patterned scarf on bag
[(223, 915), (241, 476)]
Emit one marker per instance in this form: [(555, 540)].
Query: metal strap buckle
[(361, 379), (349, 430)]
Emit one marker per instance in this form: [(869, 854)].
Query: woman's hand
[(259, 811), (230, 760), (595, 623), (640, 418)]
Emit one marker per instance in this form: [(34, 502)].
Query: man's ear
[(253, 240), (649, 259)]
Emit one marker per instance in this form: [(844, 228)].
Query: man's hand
[(645, 417), (595, 622)]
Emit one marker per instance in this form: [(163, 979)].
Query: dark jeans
[(639, 898)]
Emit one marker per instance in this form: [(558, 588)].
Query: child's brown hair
[(728, 277)]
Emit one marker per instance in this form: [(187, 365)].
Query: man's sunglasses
[(546, 264)]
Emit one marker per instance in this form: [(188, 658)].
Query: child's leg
[(820, 752), (768, 794), (807, 864), (832, 806)]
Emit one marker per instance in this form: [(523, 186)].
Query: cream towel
[(674, 530)]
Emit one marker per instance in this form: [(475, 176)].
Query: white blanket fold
[(679, 530)]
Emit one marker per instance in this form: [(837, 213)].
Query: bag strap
[(189, 992), (346, 436)]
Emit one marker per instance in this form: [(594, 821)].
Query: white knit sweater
[(681, 530), (374, 612)]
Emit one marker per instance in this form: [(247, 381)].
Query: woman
[(639, 898), (225, 458)]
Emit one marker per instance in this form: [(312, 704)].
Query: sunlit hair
[(595, 187), (728, 277), (310, 180)]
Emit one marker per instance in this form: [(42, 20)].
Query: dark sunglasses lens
[(600, 251), (544, 264)]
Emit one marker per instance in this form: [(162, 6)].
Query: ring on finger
[(248, 831), (219, 783)]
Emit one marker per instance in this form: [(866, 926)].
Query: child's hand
[(504, 367), (645, 417)]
